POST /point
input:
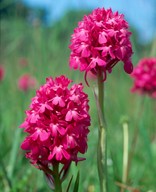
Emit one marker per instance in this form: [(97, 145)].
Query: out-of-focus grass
[(47, 54)]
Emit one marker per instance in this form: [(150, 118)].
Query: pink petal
[(83, 34), (74, 62), (51, 156), (59, 155), (121, 53), (35, 135), (24, 125), (105, 51), (61, 103), (128, 67), (101, 62), (26, 144), (48, 106), (61, 130), (68, 116), (33, 118), (92, 64), (71, 141), (111, 52), (75, 115), (42, 108), (35, 150), (65, 154), (55, 100), (85, 52), (102, 38), (44, 135), (54, 129)]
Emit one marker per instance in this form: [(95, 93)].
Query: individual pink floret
[(26, 82), (101, 40), (144, 76), (57, 123)]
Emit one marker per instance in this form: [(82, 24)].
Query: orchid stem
[(102, 142), (57, 180)]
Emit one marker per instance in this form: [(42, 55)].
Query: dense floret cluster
[(101, 40), (144, 76), (57, 123)]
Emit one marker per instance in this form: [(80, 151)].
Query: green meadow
[(46, 52)]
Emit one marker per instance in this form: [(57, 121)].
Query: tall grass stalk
[(125, 154)]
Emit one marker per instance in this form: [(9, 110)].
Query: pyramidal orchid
[(57, 127), (144, 76), (100, 41)]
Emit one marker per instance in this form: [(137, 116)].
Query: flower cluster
[(100, 41), (144, 75), (57, 123), (26, 82)]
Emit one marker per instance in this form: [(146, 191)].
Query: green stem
[(125, 154), (57, 180), (102, 142)]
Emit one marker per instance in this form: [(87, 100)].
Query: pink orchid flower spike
[(100, 41), (144, 76)]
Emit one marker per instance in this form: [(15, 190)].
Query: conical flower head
[(144, 76), (57, 123), (100, 41)]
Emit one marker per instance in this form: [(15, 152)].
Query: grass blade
[(76, 186)]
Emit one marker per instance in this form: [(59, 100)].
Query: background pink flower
[(26, 82), (100, 41), (2, 72), (57, 123), (144, 76)]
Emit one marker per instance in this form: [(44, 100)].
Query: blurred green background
[(44, 51)]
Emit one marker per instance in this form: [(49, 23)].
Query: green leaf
[(146, 141), (14, 151), (76, 186), (67, 190)]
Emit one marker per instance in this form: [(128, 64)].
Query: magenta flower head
[(26, 82), (144, 76), (57, 124), (100, 41)]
